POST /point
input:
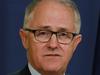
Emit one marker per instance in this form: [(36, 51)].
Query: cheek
[(35, 53), (68, 52), (35, 48)]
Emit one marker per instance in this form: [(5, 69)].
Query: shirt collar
[(32, 70)]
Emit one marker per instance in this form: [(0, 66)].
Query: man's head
[(51, 34)]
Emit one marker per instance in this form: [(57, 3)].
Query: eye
[(62, 34), (42, 33)]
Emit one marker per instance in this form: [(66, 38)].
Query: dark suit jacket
[(24, 71)]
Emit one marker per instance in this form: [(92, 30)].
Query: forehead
[(54, 6), (52, 13)]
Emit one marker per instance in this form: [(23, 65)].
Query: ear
[(77, 40), (24, 38)]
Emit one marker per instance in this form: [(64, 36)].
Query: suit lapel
[(25, 71)]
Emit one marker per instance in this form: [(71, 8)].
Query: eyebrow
[(45, 27), (60, 29)]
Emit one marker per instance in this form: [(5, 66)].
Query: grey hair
[(69, 3)]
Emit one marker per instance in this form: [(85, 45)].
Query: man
[(50, 36)]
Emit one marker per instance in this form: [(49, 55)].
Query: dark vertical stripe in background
[(96, 67), (96, 64), (86, 60), (1, 40)]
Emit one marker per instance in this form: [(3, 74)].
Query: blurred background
[(86, 60)]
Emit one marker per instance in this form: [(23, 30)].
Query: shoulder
[(24, 71)]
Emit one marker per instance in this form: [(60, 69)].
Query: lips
[(52, 55)]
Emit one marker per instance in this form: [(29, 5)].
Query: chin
[(55, 67)]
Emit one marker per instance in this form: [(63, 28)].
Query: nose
[(53, 43)]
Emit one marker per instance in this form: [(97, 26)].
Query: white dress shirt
[(32, 70)]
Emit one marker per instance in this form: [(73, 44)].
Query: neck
[(52, 73)]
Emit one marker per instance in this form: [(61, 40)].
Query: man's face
[(50, 56)]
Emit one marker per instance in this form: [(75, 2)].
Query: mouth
[(53, 55)]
